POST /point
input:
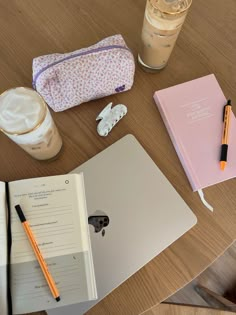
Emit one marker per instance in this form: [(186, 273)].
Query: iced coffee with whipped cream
[(25, 119), (163, 20)]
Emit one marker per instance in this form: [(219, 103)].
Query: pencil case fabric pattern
[(67, 80)]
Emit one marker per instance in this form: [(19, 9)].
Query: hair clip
[(109, 118)]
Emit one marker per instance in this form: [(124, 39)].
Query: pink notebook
[(193, 115)]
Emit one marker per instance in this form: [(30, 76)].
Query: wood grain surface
[(171, 309), (220, 278), (30, 28)]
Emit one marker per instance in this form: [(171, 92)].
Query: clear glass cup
[(25, 119), (163, 20)]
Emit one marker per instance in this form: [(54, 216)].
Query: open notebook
[(55, 208), (193, 115)]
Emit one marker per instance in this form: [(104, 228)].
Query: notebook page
[(3, 250), (50, 205), (59, 224)]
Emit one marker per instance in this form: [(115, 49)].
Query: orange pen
[(225, 137), (38, 254)]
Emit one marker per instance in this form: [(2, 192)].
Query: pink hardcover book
[(193, 115)]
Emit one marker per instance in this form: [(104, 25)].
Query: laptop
[(134, 214)]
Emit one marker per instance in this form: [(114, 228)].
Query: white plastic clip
[(109, 118)]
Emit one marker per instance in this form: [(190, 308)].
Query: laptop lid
[(134, 214)]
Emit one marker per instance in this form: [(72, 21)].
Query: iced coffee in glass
[(25, 119), (163, 20)]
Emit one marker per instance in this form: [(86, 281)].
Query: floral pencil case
[(67, 80)]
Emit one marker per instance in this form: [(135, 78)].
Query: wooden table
[(206, 45), (172, 309)]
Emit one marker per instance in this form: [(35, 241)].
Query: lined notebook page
[(55, 209), (50, 204)]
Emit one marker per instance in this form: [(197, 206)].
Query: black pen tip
[(229, 102), (58, 299), (20, 213)]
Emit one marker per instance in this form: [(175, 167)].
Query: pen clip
[(228, 104), (224, 113)]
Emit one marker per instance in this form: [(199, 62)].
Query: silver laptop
[(134, 214)]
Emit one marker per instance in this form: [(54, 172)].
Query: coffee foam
[(20, 110)]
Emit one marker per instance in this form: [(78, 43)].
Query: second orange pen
[(225, 137)]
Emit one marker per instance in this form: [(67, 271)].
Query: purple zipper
[(73, 56)]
